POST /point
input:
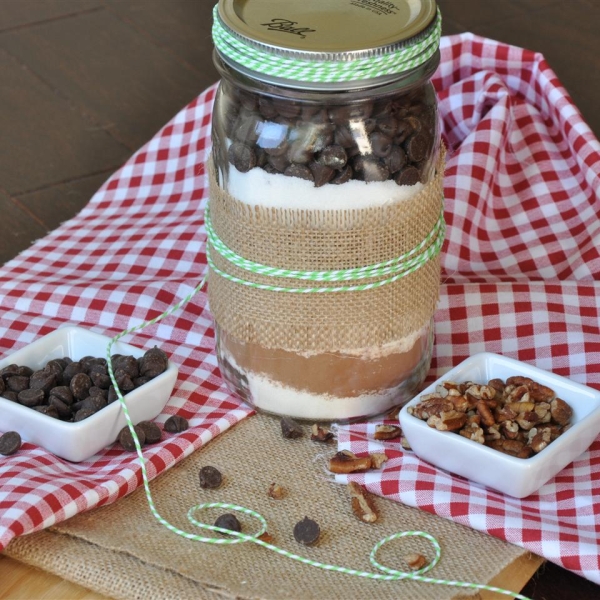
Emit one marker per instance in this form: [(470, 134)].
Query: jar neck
[(257, 83)]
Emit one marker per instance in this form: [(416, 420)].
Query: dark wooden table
[(86, 82)]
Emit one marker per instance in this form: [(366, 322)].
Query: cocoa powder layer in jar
[(325, 385)]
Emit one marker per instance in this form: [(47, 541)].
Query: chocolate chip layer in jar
[(325, 218)]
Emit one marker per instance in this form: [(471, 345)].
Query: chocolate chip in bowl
[(95, 424), (514, 441)]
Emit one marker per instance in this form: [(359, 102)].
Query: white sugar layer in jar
[(274, 190)]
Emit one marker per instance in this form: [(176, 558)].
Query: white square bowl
[(516, 477), (79, 441)]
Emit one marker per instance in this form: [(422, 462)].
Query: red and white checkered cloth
[(521, 273), (520, 263), (134, 251)]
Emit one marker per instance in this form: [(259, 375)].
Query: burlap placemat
[(123, 552)]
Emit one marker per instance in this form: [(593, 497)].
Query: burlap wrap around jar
[(325, 218)]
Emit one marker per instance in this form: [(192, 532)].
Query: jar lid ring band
[(399, 60)]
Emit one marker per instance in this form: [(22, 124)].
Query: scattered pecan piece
[(387, 432), (276, 491), (347, 462), (415, 561), (266, 537), (377, 460), (362, 503), (320, 434)]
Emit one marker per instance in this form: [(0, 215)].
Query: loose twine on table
[(238, 537)]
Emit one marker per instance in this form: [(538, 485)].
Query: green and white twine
[(251, 57), (386, 573), (398, 267)]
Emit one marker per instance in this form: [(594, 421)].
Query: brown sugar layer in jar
[(324, 385)]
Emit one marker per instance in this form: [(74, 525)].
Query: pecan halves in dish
[(519, 417)]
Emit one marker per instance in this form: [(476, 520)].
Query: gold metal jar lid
[(326, 41), (326, 26)]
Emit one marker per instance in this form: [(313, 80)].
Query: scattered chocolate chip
[(290, 429), (126, 439), (151, 430), (307, 532), (176, 424), (210, 478), (228, 521), (10, 442)]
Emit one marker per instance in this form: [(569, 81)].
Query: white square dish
[(510, 475), (79, 441)]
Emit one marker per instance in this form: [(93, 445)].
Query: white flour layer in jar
[(273, 190), (268, 394)]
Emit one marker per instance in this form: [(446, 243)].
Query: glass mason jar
[(336, 147)]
